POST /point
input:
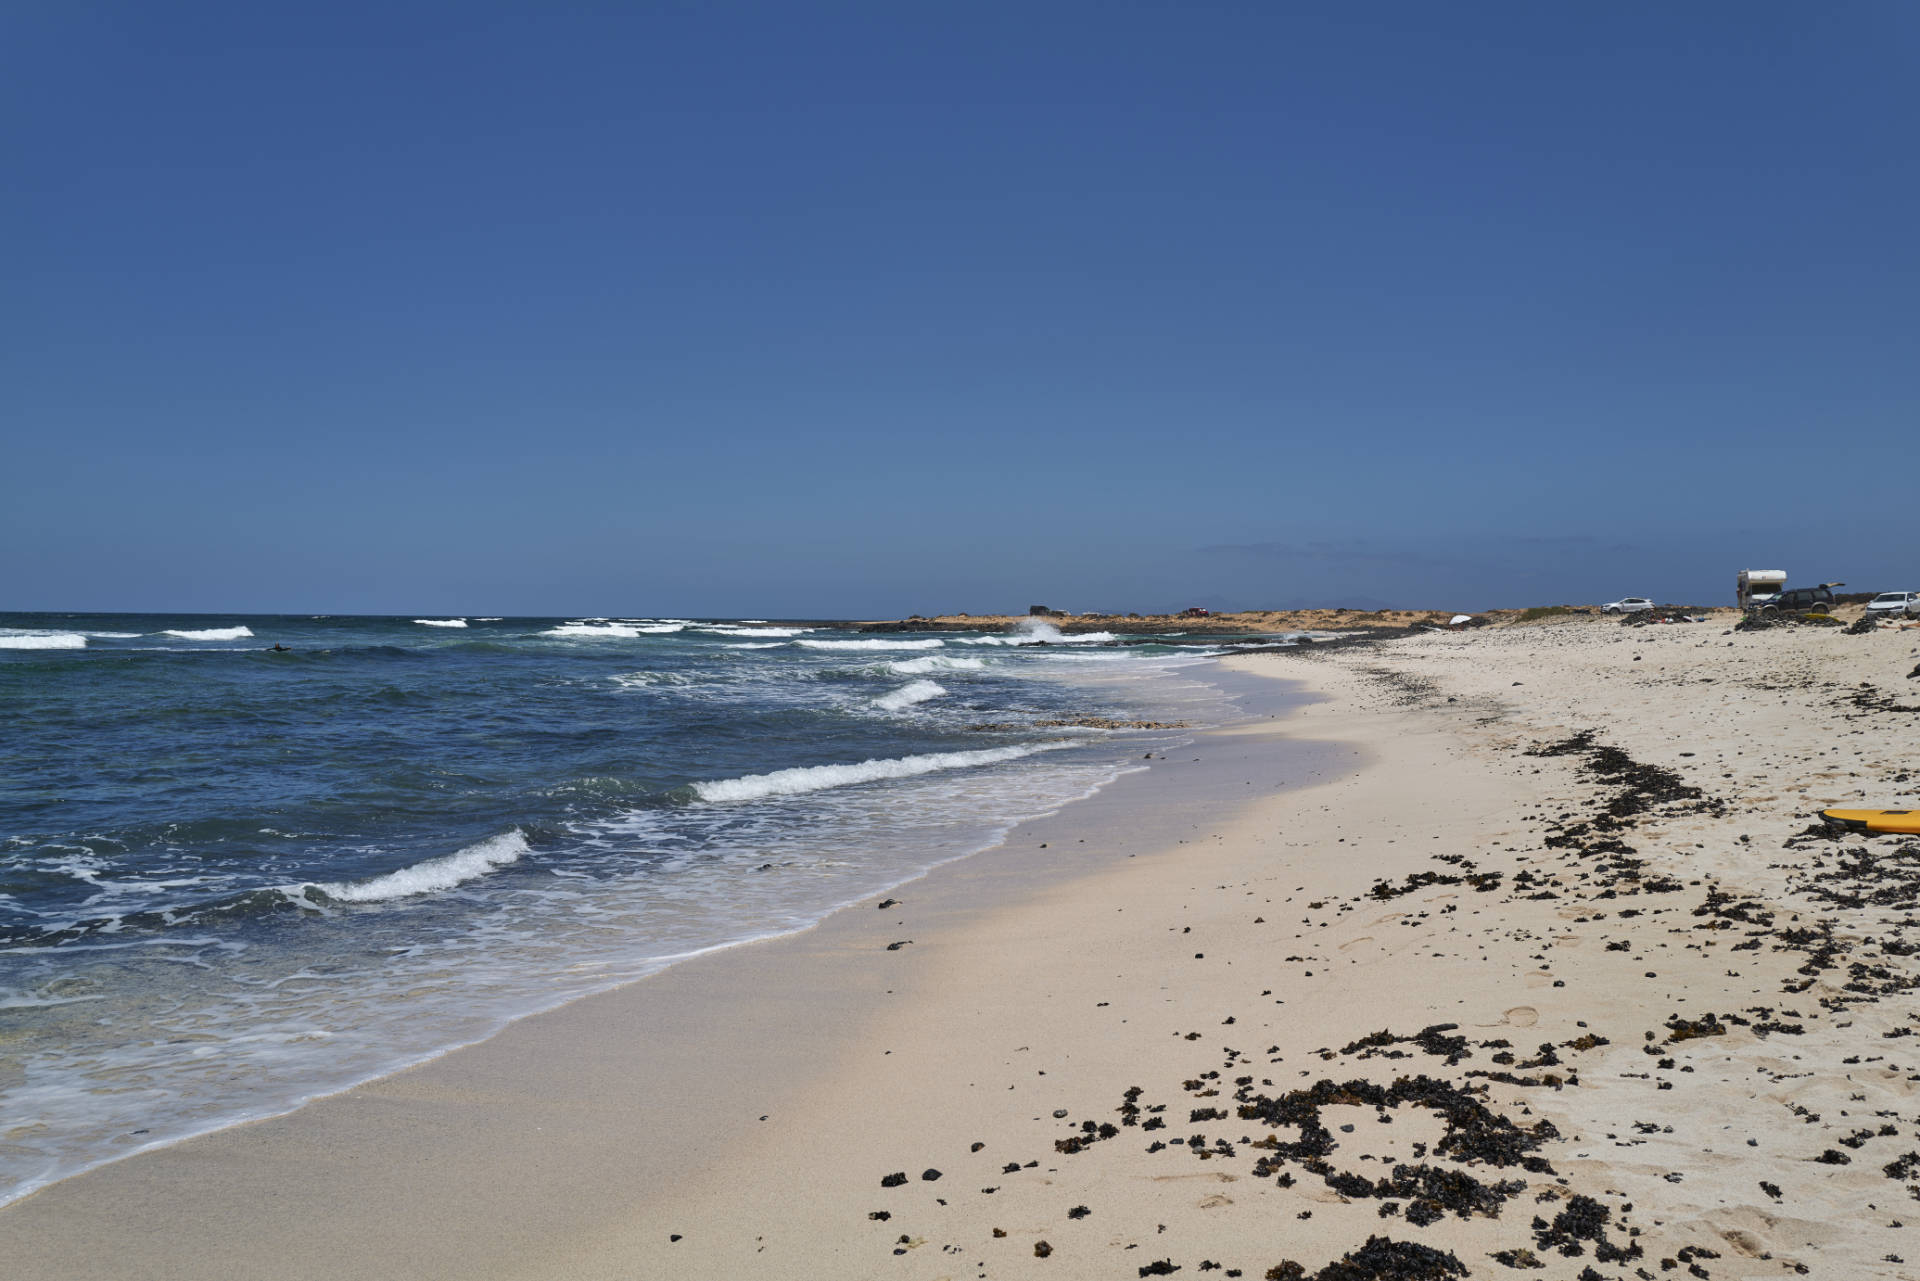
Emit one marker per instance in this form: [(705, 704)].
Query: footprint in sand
[(1521, 1016), (1364, 938), (1216, 1176)]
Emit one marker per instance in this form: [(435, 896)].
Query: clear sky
[(810, 309)]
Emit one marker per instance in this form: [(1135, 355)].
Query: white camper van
[(1760, 587)]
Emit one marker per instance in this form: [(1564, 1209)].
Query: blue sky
[(867, 309)]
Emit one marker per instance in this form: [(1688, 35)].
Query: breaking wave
[(816, 778), (44, 640), (611, 631), (441, 622), (936, 663), (721, 629), (907, 695), (211, 633), (872, 644), (1041, 634), (431, 874)]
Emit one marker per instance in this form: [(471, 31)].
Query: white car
[(1627, 605), (1887, 603)]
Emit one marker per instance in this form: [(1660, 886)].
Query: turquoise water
[(234, 877)]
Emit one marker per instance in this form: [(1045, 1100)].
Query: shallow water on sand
[(234, 877)]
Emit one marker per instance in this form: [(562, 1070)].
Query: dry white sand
[(1215, 935)]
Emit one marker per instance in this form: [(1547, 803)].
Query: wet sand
[(1509, 952)]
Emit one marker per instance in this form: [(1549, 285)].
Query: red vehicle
[(1196, 612)]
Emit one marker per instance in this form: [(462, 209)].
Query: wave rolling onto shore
[(236, 877)]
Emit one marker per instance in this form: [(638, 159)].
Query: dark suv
[(1801, 600)]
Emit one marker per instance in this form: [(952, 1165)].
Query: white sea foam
[(674, 882), (815, 778), (1083, 638), (1033, 631), (431, 874), (640, 680), (907, 695), (761, 645), (43, 640), (721, 629), (611, 631), (441, 622), (210, 633), (115, 635), (872, 644), (936, 663)]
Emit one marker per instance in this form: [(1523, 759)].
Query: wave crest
[(871, 644), (441, 622), (907, 695), (611, 631), (44, 640), (424, 877), (210, 633), (936, 663), (815, 778), (1051, 636), (721, 629)]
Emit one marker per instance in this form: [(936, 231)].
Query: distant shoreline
[(1247, 622)]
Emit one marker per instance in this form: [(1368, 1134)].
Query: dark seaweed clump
[(1380, 1259), (1485, 882), (1434, 1040), (1583, 1220), (1474, 1131), (1636, 790)]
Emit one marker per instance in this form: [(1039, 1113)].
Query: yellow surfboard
[(1875, 820)]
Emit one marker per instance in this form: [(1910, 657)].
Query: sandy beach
[(1510, 952)]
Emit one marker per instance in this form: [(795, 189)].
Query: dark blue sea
[(235, 876)]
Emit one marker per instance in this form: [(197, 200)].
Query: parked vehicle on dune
[(1627, 605), (1887, 604), (1803, 600), (1757, 587)]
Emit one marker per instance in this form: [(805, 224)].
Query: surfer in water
[(278, 648)]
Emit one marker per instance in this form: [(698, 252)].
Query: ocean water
[(234, 878)]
